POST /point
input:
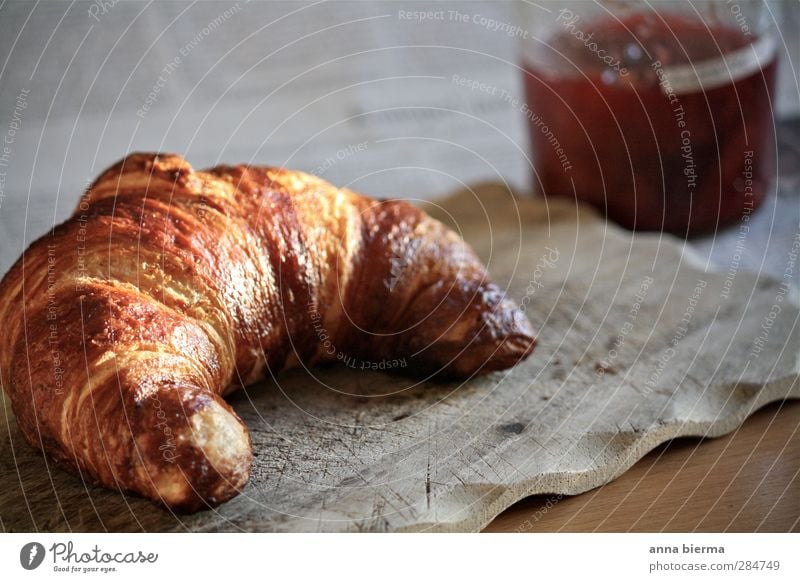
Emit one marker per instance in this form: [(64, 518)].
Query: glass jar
[(657, 113)]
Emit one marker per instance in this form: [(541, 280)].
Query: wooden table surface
[(746, 481)]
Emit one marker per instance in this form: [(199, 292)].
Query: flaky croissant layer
[(169, 287)]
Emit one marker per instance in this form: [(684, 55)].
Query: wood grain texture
[(748, 481), (639, 344)]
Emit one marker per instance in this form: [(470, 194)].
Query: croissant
[(168, 288)]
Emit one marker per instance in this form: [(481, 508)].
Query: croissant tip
[(209, 465)]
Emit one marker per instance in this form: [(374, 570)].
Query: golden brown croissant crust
[(168, 288)]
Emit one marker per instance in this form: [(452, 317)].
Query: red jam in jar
[(642, 118)]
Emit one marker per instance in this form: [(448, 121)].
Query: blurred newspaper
[(402, 99)]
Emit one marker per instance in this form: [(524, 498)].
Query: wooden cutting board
[(639, 343)]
